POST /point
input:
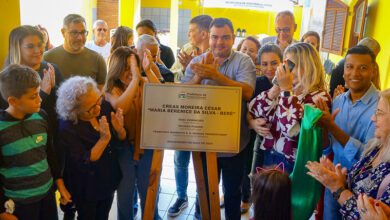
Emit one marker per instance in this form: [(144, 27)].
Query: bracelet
[(162, 80), (336, 194), (285, 93)]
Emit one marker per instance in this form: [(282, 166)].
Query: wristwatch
[(9, 206), (285, 93), (336, 194), (162, 80)]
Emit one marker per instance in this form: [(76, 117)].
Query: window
[(358, 21), (334, 27)]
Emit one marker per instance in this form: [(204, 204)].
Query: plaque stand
[(211, 212)]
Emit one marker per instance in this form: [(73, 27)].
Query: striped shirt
[(27, 160)]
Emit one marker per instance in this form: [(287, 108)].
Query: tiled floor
[(168, 193)]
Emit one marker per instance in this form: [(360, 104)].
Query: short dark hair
[(271, 195), (147, 23), (250, 38), (221, 22), (16, 79), (203, 22), (270, 48), (73, 18), (363, 50)]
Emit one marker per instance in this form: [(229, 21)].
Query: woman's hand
[(134, 68), (147, 60), (333, 180), (117, 120), (338, 91), (260, 126), (65, 195), (285, 78), (48, 80), (370, 209), (104, 129)]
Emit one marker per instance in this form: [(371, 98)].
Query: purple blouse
[(362, 178)]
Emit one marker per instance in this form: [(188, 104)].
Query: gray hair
[(371, 43), (285, 13), (99, 22), (375, 142), (69, 93), (73, 18), (146, 39)]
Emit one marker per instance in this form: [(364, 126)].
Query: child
[(271, 195), (28, 164)]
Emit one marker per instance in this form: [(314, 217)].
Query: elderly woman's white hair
[(375, 142), (146, 40), (69, 93)]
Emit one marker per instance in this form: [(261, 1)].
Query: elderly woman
[(149, 44), (89, 135), (369, 176)]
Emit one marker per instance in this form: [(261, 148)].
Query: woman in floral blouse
[(368, 177), (282, 105)]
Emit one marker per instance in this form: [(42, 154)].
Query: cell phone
[(291, 66)]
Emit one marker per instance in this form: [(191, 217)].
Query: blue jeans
[(331, 207), (134, 173), (273, 158), (182, 160)]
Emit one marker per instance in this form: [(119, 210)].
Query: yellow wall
[(376, 27), (9, 19), (255, 22), (86, 11)]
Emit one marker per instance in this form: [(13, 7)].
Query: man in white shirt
[(100, 43), (285, 28)]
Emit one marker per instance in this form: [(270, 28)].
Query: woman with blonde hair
[(369, 177), (299, 81), (26, 47)]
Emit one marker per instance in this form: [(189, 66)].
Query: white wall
[(50, 14)]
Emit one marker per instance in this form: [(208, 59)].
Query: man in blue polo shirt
[(224, 67), (350, 126)]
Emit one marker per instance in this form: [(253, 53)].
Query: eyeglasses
[(285, 30), (98, 103), (101, 29), (379, 113), (39, 46), (77, 33)]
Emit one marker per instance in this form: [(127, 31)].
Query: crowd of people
[(70, 122)]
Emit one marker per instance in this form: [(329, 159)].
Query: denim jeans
[(331, 207), (134, 173), (182, 160), (232, 171), (273, 158)]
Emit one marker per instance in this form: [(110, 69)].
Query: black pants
[(246, 183), (94, 210), (45, 209), (232, 170)]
